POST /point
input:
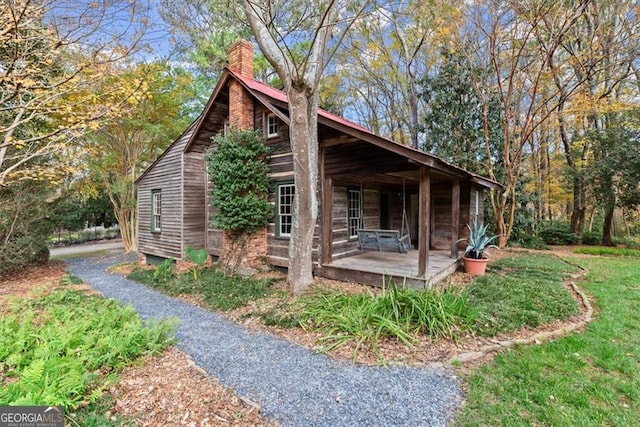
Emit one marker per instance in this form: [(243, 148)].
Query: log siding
[(389, 177)]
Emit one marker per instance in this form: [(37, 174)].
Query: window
[(272, 125), (156, 211), (285, 194), (354, 213)]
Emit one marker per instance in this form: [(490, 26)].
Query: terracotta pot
[(475, 267)]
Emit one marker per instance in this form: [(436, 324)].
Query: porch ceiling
[(354, 160), (390, 179)]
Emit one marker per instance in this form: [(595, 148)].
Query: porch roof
[(276, 101), (340, 123)]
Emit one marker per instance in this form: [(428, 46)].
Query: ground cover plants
[(608, 251), (217, 290), (521, 291), (66, 348), (588, 378)]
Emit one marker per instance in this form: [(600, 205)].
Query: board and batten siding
[(164, 175)]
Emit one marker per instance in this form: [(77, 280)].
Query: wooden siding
[(466, 205), (441, 217), (360, 158), (340, 245), (166, 176), (214, 236), (194, 200)]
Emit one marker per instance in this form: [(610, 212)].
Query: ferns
[(63, 348)]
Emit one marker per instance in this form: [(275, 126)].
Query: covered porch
[(377, 268), (369, 183)]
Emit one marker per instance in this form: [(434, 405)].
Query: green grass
[(83, 254), (219, 292), (66, 348), (402, 314), (589, 378), (524, 290), (608, 251)]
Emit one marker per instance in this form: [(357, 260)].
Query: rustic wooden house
[(374, 193)]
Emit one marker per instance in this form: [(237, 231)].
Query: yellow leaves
[(584, 104)]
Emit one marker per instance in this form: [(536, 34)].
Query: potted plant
[(475, 259)]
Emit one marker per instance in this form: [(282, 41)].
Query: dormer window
[(272, 126)]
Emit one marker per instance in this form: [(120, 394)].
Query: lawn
[(588, 378)]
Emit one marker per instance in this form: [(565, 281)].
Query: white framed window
[(284, 204), (156, 211), (273, 128), (354, 213)]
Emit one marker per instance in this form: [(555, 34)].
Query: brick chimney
[(241, 116), (241, 58), (240, 102)]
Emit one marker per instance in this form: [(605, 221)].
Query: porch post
[(423, 220), (327, 220), (455, 216)]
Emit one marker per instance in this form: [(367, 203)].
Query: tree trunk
[(607, 235), (303, 134), (579, 207), (609, 201)]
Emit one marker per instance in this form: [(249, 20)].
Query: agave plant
[(478, 242)]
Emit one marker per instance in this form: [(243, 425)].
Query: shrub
[(557, 233), (24, 225), (628, 242), (591, 238), (531, 241)]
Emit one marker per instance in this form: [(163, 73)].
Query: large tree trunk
[(303, 134), (607, 229), (579, 207)]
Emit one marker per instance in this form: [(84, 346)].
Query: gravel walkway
[(291, 384)]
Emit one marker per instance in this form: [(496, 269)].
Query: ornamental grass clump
[(397, 313)]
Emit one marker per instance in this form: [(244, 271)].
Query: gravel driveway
[(292, 384)]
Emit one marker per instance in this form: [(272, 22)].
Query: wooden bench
[(383, 240)]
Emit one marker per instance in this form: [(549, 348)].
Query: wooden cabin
[(368, 183)]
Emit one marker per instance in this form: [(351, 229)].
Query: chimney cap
[(240, 56)]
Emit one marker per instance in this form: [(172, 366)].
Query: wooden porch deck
[(372, 267)]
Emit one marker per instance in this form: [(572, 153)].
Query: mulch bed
[(168, 389)]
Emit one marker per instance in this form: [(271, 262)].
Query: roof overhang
[(276, 101)]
